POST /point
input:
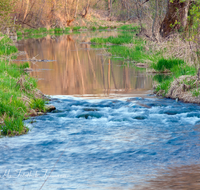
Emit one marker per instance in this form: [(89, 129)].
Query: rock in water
[(50, 108)]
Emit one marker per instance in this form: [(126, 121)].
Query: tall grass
[(6, 46), (163, 64), (38, 104)]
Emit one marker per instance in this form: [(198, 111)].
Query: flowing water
[(106, 133)]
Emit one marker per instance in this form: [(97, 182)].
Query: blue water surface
[(101, 144)]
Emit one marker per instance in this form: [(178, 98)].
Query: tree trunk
[(175, 18), (86, 9), (109, 8), (154, 21), (77, 3), (26, 9)]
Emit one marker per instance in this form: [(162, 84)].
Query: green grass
[(6, 46), (38, 104), (12, 108), (13, 125), (36, 31), (129, 27), (28, 31), (135, 53), (120, 39), (51, 30), (76, 28), (35, 36), (19, 38), (44, 30), (163, 64), (19, 33), (93, 28), (161, 78), (177, 68), (138, 53), (113, 27), (165, 85), (103, 27), (67, 29), (196, 92), (58, 31)]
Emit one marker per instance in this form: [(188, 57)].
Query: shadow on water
[(80, 69)]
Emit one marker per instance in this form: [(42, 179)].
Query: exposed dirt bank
[(185, 88)]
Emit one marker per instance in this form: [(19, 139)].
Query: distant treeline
[(157, 16)]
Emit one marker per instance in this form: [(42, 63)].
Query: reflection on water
[(79, 69)]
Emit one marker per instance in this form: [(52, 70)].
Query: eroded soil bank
[(185, 88)]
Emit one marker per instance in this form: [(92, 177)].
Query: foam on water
[(106, 143)]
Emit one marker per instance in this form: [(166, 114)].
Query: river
[(107, 132)]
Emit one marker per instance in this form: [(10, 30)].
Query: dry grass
[(175, 47)]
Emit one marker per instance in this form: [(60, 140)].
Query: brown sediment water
[(80, 69)]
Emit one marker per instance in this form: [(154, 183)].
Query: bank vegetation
[(19, 96)]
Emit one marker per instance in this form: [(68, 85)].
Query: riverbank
[(80, 26), (19, 96), (174, 72), (185, 88)]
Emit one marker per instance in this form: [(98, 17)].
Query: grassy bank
[(129, 46), (177, 68), (43, 32), (17, 91)]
